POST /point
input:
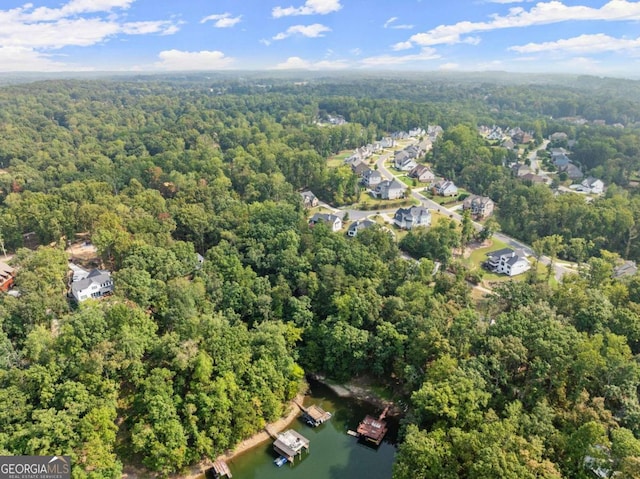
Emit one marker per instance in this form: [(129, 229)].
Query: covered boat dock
[(290, 443), (315, 415), (372, 429)]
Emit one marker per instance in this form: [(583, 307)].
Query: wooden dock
[(372, 429), (221, 469), (314, 415)]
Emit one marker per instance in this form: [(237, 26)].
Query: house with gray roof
[(479, 206), (96, 284), (445, 188), (371, 178), (334, 222), (359, 225), (507, 261), (390, 190), (409, 218), (422, 173), (309, 200)]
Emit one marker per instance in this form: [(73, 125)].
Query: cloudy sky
[(575, 36)]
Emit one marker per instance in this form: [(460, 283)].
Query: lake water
[(333, 454)]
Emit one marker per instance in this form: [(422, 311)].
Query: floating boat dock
[(290, 444), (221, 469), (372, 429), (315, 415)]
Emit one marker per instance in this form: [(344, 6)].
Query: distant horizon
[(311, 74), (592, 37)]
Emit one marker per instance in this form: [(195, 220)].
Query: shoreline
[(198, 470)]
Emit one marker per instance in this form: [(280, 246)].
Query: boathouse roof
[(290, 443)]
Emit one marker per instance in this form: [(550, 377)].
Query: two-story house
[(409, 218)]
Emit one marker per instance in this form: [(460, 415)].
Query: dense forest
[(187, 358)]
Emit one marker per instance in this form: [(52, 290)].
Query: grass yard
[(368, 203), (336, 161)]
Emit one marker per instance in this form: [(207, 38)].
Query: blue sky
[(570, 36)]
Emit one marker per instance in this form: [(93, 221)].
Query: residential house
[(519, 136), (433, 131), (359, 225), (479, 206), (359, 168), (371, 178), (390, 190), (593, 185), (408, 218), (422, 173), (425, 145), (536, 178), (96, 285), (520, 169), (334, 222), (560, 160), (309, 200), (445, 188), (507, 261), (387, 142), (403, 162), (628, 268), (572, 171), (416, 132), (7, 275), (399, 135), (559, 136), (508, 144)]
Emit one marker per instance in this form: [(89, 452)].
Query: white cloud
[(75, 7), (391, 24), (402, 46), (508, 1), (391, 60), (448, 66), (203, 60), (597, 43), (41, 29), (13, 59), (222, 20), (311, 31), (297, 63), (310, 7), (541, 14)]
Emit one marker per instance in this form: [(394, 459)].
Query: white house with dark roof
[(371, 178), (390, 190), (507, 261), (334, 222), (593, 185), (408, 218), (359, 225), (446, 188), (96, 284)]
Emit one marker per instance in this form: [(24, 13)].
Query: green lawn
[(338, 160)]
